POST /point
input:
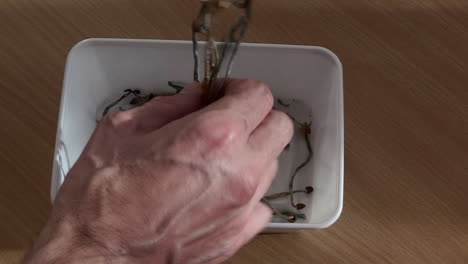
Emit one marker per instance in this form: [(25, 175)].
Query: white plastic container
[(98, 70)]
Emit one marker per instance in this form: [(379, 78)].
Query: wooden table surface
[(406, 109)]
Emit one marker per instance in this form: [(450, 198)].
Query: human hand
[(170, 182)]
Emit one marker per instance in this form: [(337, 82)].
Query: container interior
[(308, 78)]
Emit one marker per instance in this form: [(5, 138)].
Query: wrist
[(60, 242)]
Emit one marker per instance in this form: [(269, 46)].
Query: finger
[(259, 219), (264, 184), (249, 99), (272, 135), (164, 109)]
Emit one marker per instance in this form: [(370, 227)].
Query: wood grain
[(406, 97)]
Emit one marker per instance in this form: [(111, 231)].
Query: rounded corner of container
[(332, 56), (80, 45), (333, 218)]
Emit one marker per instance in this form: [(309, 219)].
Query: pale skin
[(173, 181)]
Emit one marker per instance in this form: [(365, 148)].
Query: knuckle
[(260, 89), (265, 91), (242, 189), (218, 129), (118, 120), (284, 123)]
